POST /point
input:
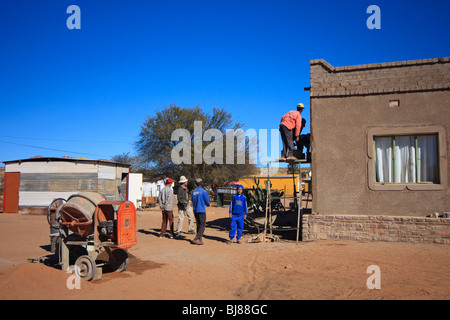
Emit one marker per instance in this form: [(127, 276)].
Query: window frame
[(407, 131)]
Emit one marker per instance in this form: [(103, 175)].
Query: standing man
[(290, 129), (200, 199), (183, 207), (166, 204), (238, 212)]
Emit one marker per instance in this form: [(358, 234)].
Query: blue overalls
[(238, 209)]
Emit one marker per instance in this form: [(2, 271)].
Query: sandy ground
[(175, 269)]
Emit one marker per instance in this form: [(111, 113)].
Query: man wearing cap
[(166, 204), (200, 200), (183, 207), (290, 129)]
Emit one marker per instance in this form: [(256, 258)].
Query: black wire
[(66, 151), (64, 140)]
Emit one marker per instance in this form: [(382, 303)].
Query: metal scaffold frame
[(297, 198)]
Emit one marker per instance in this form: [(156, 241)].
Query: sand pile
[(32, 281)]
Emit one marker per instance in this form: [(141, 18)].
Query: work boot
[(197, 242), (179, 235)]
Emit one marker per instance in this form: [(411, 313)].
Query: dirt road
[(163, 268)]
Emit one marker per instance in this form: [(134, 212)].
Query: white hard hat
[(183, 179)]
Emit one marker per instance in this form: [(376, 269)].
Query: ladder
[(297, 196)]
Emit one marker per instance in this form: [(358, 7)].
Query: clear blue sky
[(88, 91)]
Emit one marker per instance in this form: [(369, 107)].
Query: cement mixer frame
[(98, 243)]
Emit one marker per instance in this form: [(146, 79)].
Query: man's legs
[(180, 220), (164, 222), (167, 216), (201, 223), (288, 142), (170, 218), (233, 226), (283, 139), (240, 226), (191, 218)]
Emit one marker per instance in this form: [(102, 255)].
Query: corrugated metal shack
[(31, 184)]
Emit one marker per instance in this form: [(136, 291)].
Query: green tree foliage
[(123, 158), (133, 161), (154, 145)]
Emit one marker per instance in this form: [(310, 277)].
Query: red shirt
[(292, 120)]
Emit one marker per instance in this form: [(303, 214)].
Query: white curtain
[(383, 160), (398, 164), (405, 159), (427, 160)]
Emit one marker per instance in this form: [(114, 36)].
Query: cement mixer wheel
[(123, 266), (120, 260), (86, 267)]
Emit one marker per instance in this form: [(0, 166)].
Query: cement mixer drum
[(79, 210)]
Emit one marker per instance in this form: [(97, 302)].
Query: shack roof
[(69, 159)]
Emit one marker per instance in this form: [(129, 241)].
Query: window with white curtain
[(406, 159)]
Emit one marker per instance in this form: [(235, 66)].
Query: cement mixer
[(92, 233)]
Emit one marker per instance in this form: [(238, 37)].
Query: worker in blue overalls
[(238, 212)]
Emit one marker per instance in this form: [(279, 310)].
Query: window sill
[(406, 186)]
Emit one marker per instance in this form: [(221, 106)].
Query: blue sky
[(88, 91)]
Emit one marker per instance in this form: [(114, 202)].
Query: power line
[(59, 150), (64, 140)]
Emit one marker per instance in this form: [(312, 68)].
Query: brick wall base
[(375, 228)]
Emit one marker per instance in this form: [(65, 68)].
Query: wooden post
[(269, 196), (267, 204), (299, 202)]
